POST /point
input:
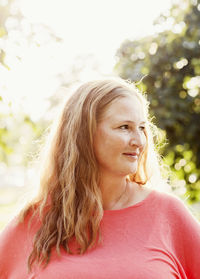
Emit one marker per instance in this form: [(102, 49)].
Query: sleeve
[(186, 234), (7, 250), (15, 245)]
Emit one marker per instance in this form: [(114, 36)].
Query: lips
[(133, 155)]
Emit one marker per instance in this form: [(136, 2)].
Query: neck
[(114, 190)]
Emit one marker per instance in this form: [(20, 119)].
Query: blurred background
[(48, 47)]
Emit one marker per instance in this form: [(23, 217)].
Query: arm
[(186, 231)]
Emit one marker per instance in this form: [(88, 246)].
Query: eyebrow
[(129, 121)]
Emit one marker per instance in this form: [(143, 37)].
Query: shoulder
[(166, 199), (16, 227), (178, 225), (9, 232), (14, 235), (174, 209), (10, 239)]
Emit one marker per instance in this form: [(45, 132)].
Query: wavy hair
[(69, 201)]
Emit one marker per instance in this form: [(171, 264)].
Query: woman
[(95, 215)]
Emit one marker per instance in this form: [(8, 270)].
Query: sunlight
[(84, 28), (93, 26)]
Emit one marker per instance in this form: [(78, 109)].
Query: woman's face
[(119, 138)]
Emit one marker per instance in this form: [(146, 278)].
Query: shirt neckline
[(149, 196)]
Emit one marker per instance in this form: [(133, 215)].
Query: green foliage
[(36, 127), (19, 135), (17, 131), (170, 59), (5, 148), (4, 13)]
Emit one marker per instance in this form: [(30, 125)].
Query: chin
[(132, 169), (129, 171)]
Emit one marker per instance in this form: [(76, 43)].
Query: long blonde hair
[(69, 201)]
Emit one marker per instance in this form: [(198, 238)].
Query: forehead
[(125, 108)]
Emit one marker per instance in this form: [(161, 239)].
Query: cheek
[(108, 143)]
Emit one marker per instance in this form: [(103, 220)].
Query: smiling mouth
[(131, 155)]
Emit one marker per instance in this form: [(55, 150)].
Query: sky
[(94, 29)]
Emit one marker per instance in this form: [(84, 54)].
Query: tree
[(170, 59), (16, 34), (5, 149)]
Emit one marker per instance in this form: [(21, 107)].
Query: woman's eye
[(124, 127), (127, 127)]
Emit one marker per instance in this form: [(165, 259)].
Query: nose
[(138, 139)]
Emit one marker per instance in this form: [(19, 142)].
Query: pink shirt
[(156, 238)]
